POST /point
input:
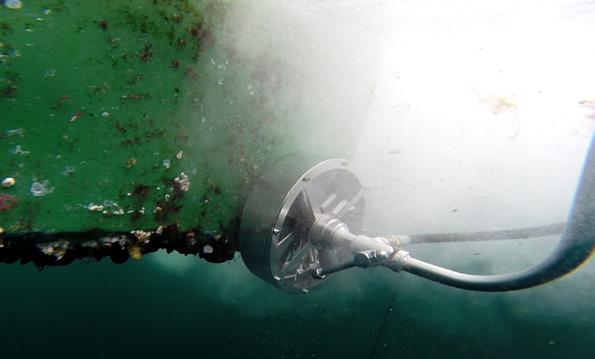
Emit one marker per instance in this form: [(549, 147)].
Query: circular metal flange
[(277, 244)]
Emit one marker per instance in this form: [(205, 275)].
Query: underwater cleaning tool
[(316, 232), (301, 224)]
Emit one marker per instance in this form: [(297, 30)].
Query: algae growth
[(106, 107)]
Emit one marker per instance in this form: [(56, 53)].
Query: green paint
[(111, 101)]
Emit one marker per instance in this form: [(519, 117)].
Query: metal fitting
[(396, 261)]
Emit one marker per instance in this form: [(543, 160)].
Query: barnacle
[(8, 182)]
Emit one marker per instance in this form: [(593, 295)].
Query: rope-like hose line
[(576, 246), (520, 233)]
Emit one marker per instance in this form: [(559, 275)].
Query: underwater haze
[(457, 116)]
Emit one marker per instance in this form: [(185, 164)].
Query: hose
[(576, 246), (519, 233)]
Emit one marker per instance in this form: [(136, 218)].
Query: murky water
[(452, 123)]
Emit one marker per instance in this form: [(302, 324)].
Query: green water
[(139, 310), (170, 306)]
